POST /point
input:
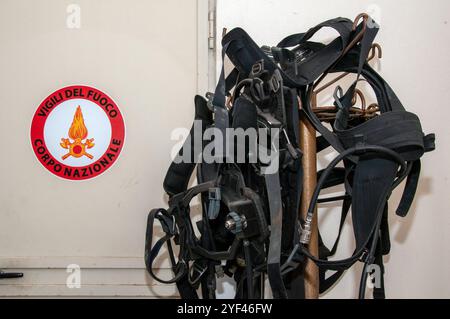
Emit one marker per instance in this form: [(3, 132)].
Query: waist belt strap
[(373, 179)]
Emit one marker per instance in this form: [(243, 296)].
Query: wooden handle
[(309, 163)]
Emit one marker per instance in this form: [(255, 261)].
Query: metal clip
[(305, 233)]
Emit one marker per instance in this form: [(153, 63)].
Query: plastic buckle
[(214, 202), (257, 90)]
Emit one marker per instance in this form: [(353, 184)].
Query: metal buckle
[(257, 68), (366, 258)]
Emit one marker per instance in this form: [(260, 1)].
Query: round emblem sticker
[(77, 132)]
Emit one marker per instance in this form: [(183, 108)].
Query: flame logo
[(77, 132)]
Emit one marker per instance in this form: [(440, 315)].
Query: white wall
[(415, 39)]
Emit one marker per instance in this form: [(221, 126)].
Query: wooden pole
[(309, 162)]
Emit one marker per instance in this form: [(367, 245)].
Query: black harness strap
[(276, 220), (180, 269), (372, 177), (308, 69), (179, 172), (378, 154)]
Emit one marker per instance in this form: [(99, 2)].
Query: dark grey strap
[(221, 116), (276, 219)]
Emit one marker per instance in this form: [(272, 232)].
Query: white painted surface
[(414, 36), (146, 56)]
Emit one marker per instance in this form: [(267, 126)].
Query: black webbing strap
[(343, 104), (180, 269), (413, 179), (397, 160), (410, 190), (372, 179), (345, 209), (397, 130), (308, 70), (357, 63), (221, 115), (326, 283), (179, 172), (178, 226), (364, 48), (400, 131), (342, 25), (208, 280), (276, 220), (151, 252)]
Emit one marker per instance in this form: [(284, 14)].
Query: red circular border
[(37, 133)]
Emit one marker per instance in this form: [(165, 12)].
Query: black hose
[(363, 148), (405, 168)]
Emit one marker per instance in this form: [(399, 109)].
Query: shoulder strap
[(180, 171)]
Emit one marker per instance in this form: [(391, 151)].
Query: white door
[(151, 58)]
